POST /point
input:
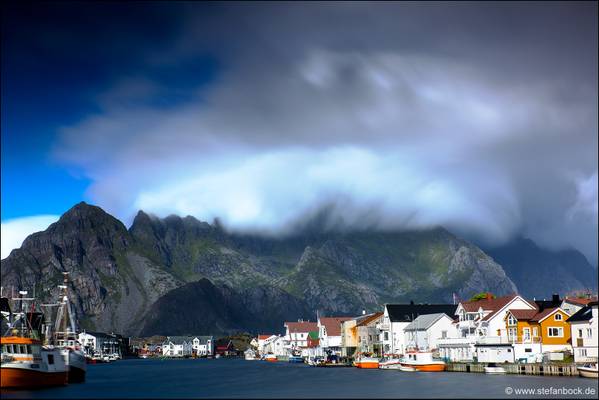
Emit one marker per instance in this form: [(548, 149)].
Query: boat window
[(35, 349), (16, 349), (50, 359)]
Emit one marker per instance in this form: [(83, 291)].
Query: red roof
[(263, 337), (487, 304), (333, 324), (543, 314), (580, 301), (524, 315), (301, 327)]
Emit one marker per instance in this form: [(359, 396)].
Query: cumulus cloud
[(14, 231), (469, 129)]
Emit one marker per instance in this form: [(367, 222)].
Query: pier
[(546, 369)]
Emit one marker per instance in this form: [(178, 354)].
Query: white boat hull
[(587, 372)]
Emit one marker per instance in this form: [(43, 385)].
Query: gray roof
[(423, 322), (178, 339)]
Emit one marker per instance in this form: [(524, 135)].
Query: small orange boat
[(270, 358), (367, 363), (26, 364), (422, 361)]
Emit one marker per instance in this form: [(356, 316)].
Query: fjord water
[(237, 378)]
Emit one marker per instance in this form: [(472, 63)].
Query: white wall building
[(585, 334), (202, 345), (177, 346), (296, 335), (424, 332), (329, 334), (397, 316)]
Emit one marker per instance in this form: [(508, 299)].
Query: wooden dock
[(546, 369)]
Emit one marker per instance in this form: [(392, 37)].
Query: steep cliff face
[(120, 277), (111, 284), (539, 272), (201, 308)]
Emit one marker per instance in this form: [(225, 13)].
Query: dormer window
[(558, 317), (511, 320)]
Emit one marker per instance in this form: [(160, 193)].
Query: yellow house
[(533, 332)]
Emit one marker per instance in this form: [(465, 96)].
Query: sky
[(479, 117)]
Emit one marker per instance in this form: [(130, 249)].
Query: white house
[(329, 334), (98, 342), (583, 325), (177, 346), (424, 332), (263, 341), (481, 330), (202, 345), (397, 316), (296, 334), (275, 344)]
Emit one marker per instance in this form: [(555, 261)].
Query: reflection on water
[(259, 379)]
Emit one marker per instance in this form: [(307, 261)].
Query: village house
[(202, 346), (397, 316), (360, 334), (329, 335), (296, 335), (261, 341), (224, 347), (312, 349), (177, 346), (584, 333), (424, 332), (275, 344), (99, 342), (534, 332), (572, 305), (481, 332)]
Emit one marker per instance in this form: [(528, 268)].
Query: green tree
[(482, 295)]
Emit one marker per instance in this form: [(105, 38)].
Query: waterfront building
[(296, 335), (329, 335), (424, 332), (177, 346), (538, 331), (262, 341), (99, 342), (584, 333), (202, 345), (361, 334), (224, 347), (397, 316), (481, 329)]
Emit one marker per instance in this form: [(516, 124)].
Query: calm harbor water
[(237, 378)]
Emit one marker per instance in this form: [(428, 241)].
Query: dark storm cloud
[(479, 117)]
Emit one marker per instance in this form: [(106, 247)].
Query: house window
[(511, 320), (558, 317), (386, 335), (528, 350), (535, 332), (526, 334), (443, 334), (589, 333), (580, 333), (555, 332)]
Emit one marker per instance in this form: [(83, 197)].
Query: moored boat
[(588, 371), (422, 361), (366, 362), (405, 368), (296, 359), (26, 364), (492, 368), (270, 357), (390, 363), (250, 355)]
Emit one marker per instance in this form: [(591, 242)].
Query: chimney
[(555, 299)]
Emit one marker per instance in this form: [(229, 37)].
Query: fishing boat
[(588, 371), (296, 359), (25, 363), (250, 355), (390, 363), (405, 368), (422, 361), (366, 362), (493, 368), (270, 357), (65, 337)]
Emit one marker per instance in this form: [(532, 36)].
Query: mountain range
[(178, 275)]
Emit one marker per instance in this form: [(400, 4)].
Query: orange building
[(534, 332)]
